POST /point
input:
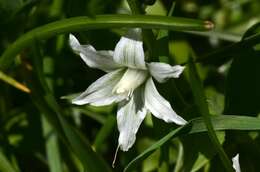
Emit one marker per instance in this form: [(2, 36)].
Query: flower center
[(131, 79)]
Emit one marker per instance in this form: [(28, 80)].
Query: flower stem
[(199, 98)]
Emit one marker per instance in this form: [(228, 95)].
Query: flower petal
[(158, 106), (95, 59), (130, 115), (130, 53), (131, 79), (236, 164), (162, 71), (100, 92)]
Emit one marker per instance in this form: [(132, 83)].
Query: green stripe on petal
[(100, 92), (130, 115), (130, 53), (158, 106), (102, 60), (162, 71)]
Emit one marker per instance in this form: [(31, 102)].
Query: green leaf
[(47, 104), (105, 131), (52, 147), (99, 22), (242, 97), (13, 82), (51, 138), (221, 122), (90, 160), (5, 165), (251, 31), (215, 101), (152, 148), (200, 101)]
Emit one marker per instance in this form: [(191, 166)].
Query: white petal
[(129, 117), (158, 106), (95, 59), (162, 71), (236, 164), (100, 93), (130, 53), (131, 79)]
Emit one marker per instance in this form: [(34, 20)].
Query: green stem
[(200, 100), (99, 22)]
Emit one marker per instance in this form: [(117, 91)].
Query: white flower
[(129, 83), (236, 164)]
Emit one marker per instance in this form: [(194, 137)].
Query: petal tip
[(124, 148), (236, 165), (73, 42), (179, 70), (159, 106), (182, 122), (77, 102)]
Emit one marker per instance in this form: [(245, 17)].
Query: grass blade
[(13, 82), (48, 105), (200, 101), (52, 147), (99, 22), (5, 165)]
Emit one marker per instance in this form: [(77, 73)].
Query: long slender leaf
[(52, 147), (13, 82), (51, 144), (200, 101), (46, 103), (99, 22), (5, 165), (91, 161), (221, 122)]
